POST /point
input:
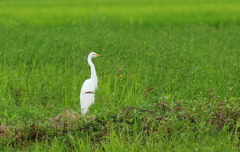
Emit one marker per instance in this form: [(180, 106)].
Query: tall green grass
[(178, 59), (60, 13)]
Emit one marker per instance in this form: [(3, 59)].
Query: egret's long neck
[(93, 72)]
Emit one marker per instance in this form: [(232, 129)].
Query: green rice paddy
[(168, 81)]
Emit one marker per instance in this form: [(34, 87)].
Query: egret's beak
[(98, 55)]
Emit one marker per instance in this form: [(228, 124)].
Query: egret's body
[(89, 86)]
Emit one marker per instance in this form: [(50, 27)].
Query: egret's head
[(93, 55)]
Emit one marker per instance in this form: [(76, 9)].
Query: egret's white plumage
[(89, 86)]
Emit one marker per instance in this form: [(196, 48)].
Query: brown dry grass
[(72, 121)]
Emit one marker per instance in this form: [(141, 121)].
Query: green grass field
[(169, 79)]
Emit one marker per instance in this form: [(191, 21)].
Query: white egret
[(87, 93)]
